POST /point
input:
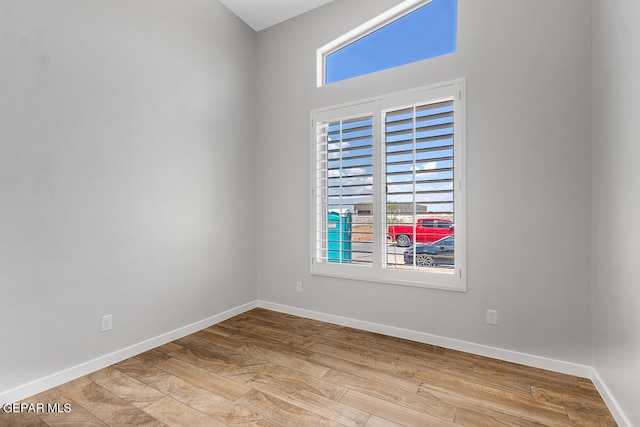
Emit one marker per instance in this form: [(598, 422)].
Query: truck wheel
[(403, 240), (425, 260)]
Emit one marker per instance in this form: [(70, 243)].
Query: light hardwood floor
[(264, 368)]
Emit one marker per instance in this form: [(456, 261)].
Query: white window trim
[(457, 281), (396, 12)]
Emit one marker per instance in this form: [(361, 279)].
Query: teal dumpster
[(339, 237)]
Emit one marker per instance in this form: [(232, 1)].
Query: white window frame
[(396, 12), (377, 272)]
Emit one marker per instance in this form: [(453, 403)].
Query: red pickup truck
[(427, 230)]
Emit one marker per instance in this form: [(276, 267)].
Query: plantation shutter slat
[(418, 161)]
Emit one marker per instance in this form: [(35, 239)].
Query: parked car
[(431, 254), (426, 230)]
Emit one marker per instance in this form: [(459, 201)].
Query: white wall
[(527, 65), (616, 205), (126, 174)]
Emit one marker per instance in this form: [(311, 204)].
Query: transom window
[(412, 31), (388, 189)]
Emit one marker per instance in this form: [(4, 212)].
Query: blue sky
[(425, 33)]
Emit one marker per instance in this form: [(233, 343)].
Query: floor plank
[(327, 408), (207, 402), (106, 406), (204, 378), (177, 414), (282, 413), (395, 395), (392, 411), (126, 387)]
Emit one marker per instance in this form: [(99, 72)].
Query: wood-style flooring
[(263, 368)]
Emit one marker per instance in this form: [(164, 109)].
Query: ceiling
[(261, 14)]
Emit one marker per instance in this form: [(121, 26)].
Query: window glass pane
[(427, 32), (419, 173), (345, 159)]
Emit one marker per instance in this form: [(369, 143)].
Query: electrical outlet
[(298, 286), (492, 317), (107, 322)]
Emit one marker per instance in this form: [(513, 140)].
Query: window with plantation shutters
[(388, 189)]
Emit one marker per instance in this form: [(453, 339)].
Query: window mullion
[(340, 242), (415, 165), (379, 193)]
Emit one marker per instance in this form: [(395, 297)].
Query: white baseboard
[(610, 401), (450, 343), (42, 384)]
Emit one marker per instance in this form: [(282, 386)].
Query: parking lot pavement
[(395, 257), (362, 252)]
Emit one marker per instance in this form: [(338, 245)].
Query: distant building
[(399, 208)]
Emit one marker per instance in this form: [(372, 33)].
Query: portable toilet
[(339, 236)]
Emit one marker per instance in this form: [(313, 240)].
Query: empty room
[(315, 212)]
